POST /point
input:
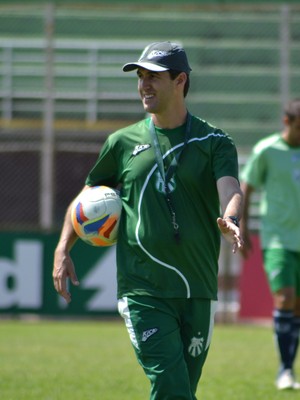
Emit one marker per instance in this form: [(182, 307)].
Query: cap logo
[(157, 53)]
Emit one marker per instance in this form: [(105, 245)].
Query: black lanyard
[(166, 176)]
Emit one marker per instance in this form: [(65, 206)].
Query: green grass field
[(94, 361)]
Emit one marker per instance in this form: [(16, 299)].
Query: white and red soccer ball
[(96, 215)]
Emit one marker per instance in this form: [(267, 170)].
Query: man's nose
[(144, 82)]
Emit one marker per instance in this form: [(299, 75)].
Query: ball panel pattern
[(96, 214)]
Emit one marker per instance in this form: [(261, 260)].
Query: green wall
[(26, 285)]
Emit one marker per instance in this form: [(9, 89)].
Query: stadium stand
[(235, 57)]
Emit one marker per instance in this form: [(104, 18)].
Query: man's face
[(294, 131), (157, 90)]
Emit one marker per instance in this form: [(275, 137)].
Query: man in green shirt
[(175, 172), (274, 167)]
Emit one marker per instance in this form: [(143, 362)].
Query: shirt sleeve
[(225, 159), (105, 171)]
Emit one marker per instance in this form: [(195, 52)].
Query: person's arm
[(231, 201), (63, 267), (247, 192)]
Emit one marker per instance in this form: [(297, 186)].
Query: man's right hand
[(62, 270)]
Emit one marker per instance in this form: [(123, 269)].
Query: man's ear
[(181, 78), (286, 121)]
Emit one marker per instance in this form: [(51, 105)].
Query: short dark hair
[(173, 73), (292, 109)]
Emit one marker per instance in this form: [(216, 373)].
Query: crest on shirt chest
[(296, 170), (160, 184), (296, 175)]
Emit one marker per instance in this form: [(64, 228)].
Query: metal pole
[(284, 55), (92, 101), (47, 147), (8, 100)]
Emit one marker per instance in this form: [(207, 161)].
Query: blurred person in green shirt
[(274, 168)]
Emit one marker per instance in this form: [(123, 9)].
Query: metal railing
[(245, 65), (23, 73)]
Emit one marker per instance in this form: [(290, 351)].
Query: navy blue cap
[(161, 56)]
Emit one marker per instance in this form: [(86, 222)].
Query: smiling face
[(158, 92)]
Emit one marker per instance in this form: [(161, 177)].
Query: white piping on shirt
[(139, 212)]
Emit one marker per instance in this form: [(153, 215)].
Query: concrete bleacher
[(86, 78), (236, 79)]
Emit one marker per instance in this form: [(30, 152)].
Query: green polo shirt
[(274, 166), (149, 260)]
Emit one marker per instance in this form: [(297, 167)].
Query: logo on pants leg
[(196, 346), (148, 333)]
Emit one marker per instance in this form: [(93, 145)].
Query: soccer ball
[(96, 215)]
